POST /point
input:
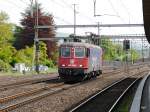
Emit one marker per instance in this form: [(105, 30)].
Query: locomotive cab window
[(79, 52), (65, 52)]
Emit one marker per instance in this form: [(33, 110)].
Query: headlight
[(63, 65), (81, 65)]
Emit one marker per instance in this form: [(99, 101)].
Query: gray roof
[(81, 44)]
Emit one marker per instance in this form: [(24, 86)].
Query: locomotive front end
[(73, 62)]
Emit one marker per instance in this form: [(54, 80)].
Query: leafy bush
[(4, 66), (24, 56), (113, 51), (49, 63), (27, 56)]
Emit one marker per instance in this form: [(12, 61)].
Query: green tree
[(27, 34), (27, 56), (108, 49), (3, 17), (17, 37), (6, 36), (24, 56), (6, 33), (43, 58), (133, 55)]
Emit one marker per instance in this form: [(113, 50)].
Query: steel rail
[(11, 97), (25, 82), (121, 96), (34, 98), (38, 97), (14, 106), (102, 91), (83, 103), (136, 104), (122, 70), (27, 93)]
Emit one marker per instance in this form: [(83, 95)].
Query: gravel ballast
[(66, 99)]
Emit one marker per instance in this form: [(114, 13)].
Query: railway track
[(26, 82), (141, 99), (35, 81), (106, 99), (53, 79), (11, 102), (27, 93), (15, 101), (34, 91), (119, 70)]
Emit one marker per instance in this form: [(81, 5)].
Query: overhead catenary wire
[(117, 13), (14, 4), (126, 9), (69, 6), (58, 3), (63, 20), (23, 1), (112, 6), (129, 14), (59, 18), (85, 16), (79, 12)]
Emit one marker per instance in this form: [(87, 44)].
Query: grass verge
[(18, 74)]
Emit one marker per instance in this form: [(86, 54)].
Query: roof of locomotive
[(81, 44)]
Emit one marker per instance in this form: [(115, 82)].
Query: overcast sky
[(125, 11)]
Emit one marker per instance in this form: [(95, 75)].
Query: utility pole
[(142, 52), (36, 41), (98, 29), (132, 61), (126, 68), (31, 6), (98, 25), (94, 7), (74, 19)]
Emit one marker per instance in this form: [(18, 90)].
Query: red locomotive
[(78, 61)]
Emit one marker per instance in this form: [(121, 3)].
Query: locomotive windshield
[(65, 51), (79, 52)]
